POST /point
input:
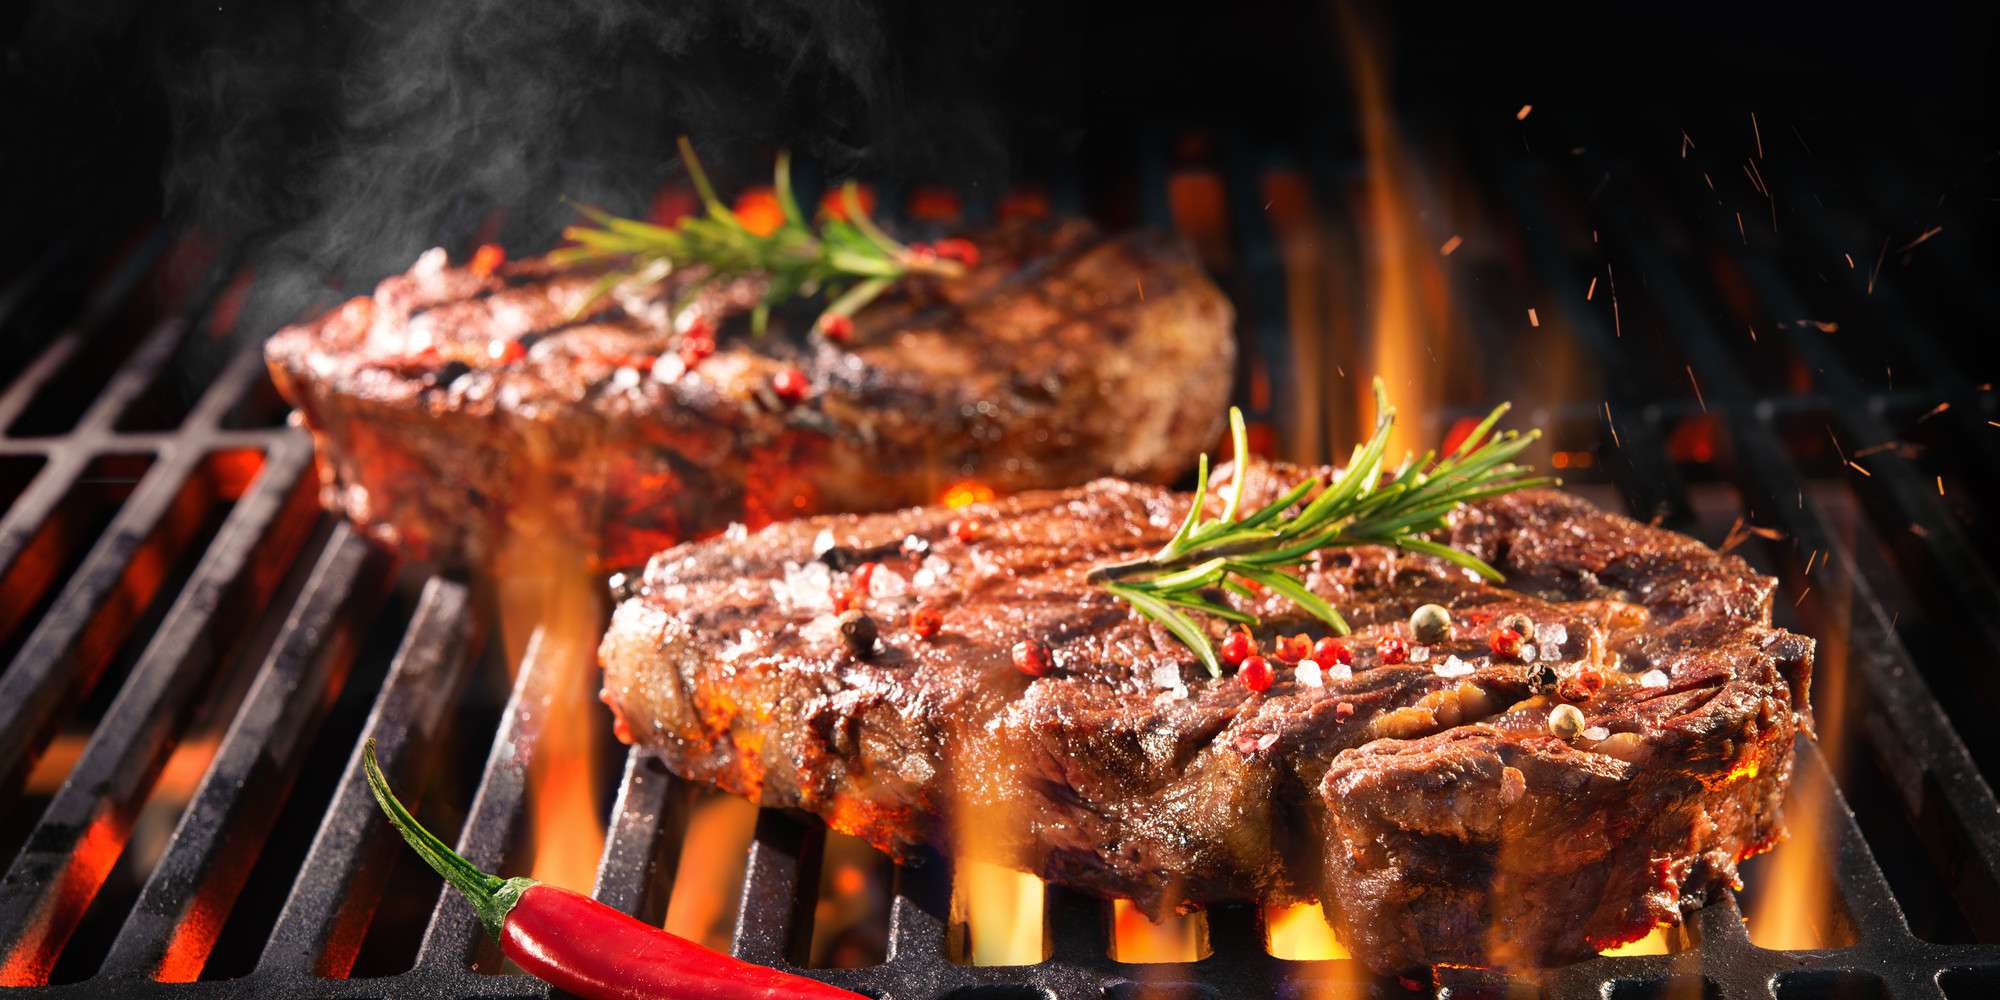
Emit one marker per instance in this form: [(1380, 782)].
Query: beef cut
[(460, 407), (1426, 803)]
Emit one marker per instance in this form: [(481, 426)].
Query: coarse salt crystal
[(822, 542), (736, 532), (1167, 675), (1551, 633), (1653, 679), (887, 583), (821, 629), (1528, 653), (1339, 672), (1309, 673), (933, 570), (1551, 652), (1419, 654), (1596, 733), (1452, 667), (1267, 741)]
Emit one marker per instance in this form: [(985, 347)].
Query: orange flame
[(703, 905), (547, 593), (1137, 938), (1299, 933)]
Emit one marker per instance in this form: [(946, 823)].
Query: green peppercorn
[(1431, 624), (1565, 721)]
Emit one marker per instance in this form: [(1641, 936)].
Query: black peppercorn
[(449, 372), (859, 631)]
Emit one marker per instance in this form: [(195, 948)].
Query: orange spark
[(1913, 244), (1449, 246), (1608, 423), (1850, 260), (1759, 134), (1592, 290), (1857, 467), (1697, 388), (1522, 115), (1940, 482), (1533, 320)]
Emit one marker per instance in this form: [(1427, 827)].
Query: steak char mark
[(1427, 804), (455, 410)]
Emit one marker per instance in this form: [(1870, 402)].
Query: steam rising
[(348, 137)]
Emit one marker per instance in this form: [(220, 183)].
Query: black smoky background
[(328, 142)]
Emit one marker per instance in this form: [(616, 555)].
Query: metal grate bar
[(49, 671), (326, 917), (773, 884), (46, 889), (497, 806), (180, 911), (644, 839)]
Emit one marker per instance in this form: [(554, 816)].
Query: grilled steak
[(1426, 803), (458, 407)]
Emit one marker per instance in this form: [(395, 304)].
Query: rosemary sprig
[(849, 259), (1360, 507)]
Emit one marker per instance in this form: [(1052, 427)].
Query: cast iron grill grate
[(210, 509)]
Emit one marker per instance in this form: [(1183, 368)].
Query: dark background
[(340, 138)]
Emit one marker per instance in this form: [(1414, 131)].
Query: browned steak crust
[(1426, 803), (1065, 355)]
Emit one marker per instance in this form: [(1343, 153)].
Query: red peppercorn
[(965, 529), (1507, 643), (1237, 647), (487, 259), (925, 621), (1590, 680), (695, 349), (1329, 651), (837, 328), (506, 352), (1031, 657), (790, 385), (845, 598), (1392, 649), (1292, 649), (1256, 673), (861, 577), (963, 251)]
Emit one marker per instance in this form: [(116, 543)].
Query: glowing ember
[(964, 493)]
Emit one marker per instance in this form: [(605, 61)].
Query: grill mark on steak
[(1435, 816), (1042, 367)]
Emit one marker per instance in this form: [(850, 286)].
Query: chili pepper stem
[(491, 896)]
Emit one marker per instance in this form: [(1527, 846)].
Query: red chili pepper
[(582, 946)]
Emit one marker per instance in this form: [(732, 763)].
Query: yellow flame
[(997, 914), (1654, 943), (707, 881), (1299, 932)]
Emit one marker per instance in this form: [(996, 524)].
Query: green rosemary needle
[(851, 260), (1364, 505)]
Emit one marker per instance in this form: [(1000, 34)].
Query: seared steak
[(457, 407), (1426, 803)]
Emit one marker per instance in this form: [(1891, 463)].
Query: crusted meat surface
[(1427, 804), (455, 409)]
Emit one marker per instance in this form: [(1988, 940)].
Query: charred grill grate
[(210, 506)]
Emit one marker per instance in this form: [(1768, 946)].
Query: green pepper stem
[(491, 896)]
